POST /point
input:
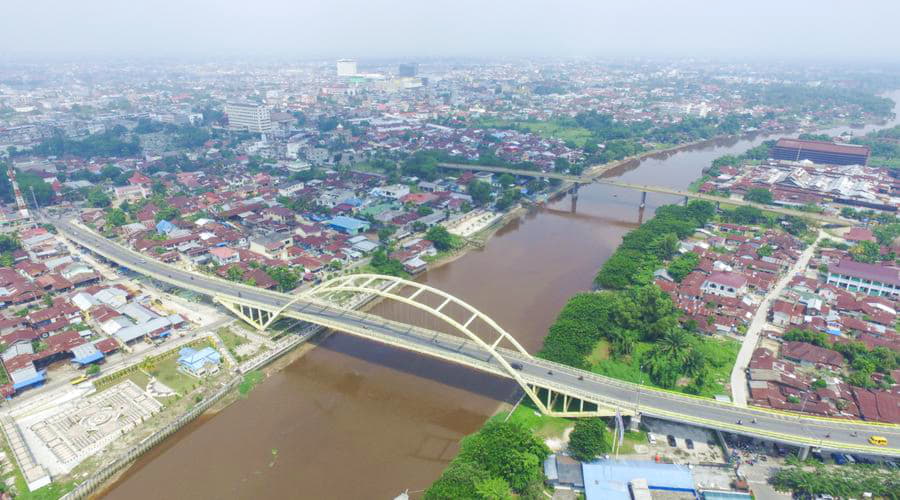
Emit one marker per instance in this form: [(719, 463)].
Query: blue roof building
[(27, 377), (164, 227), (86, 354), (348, 225), (196, 362), (611, 479)]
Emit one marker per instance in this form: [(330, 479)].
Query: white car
[(651, 438)]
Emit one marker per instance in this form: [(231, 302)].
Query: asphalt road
[(785, 428)]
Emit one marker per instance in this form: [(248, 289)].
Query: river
[(355, 419)]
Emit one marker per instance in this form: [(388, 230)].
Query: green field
[(230, 339), (166, 371), (577, 135), (541, 425)]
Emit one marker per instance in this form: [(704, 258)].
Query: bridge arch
[(388, 287)]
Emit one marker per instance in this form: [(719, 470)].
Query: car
[(516, 366), (878, 440), (651, 438), (839, 458), (689, 443), (671, 439), (79, 379)]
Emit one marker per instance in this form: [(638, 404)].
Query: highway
[(793, 429)]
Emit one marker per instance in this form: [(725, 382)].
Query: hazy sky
[(820, 29)]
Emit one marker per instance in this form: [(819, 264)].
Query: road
[(829, 434), (739, 384)]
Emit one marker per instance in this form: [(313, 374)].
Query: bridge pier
[(804, 452), (686, 199), (573, 192), (643, 199)]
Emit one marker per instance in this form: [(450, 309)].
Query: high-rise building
[(408, 69), (249, 117), (346, 67)]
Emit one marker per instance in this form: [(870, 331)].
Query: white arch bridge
[(468, 337)]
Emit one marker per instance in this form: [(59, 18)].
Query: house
[(393, 192), (785, 313), (725, 284), (811, 355), (859, 234), (224, 255), (271, 245), (199, 362)]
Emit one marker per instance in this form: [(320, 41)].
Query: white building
[(346, 67), (248, 117)]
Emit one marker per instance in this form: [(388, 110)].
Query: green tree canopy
[(588, 440)]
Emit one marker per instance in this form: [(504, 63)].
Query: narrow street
[(739, 381)]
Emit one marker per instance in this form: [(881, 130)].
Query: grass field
[(166, 371), (541, 425), (230, 339), (577, 135)]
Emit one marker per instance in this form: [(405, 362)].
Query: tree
[(561, 165), (765, 250), (286, 277), (665, 246), (441, 238), (682, 265), (116, 217), (866, 251), (588, 440), (506, 450), (384, 234), (506, 180), (97, 198), (759, 195), (480, 192), (158, 188), (386, 265), (457, 481), (92, 370), (494, 488), (235, 273), (509, 197)]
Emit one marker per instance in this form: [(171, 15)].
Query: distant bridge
[(579, 180)]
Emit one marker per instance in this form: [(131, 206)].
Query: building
[(820, 152), (200, 362), (346, 67), (248, 117), (348, 225), (871, 279), (725, 284), (408, 69), (627, 479)]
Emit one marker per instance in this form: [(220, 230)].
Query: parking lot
[(682, 443)]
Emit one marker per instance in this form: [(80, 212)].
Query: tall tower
[(20, 201)]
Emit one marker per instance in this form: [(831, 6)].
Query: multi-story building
[(346, 67), (248, 117), (871, 279), (820, 152)]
